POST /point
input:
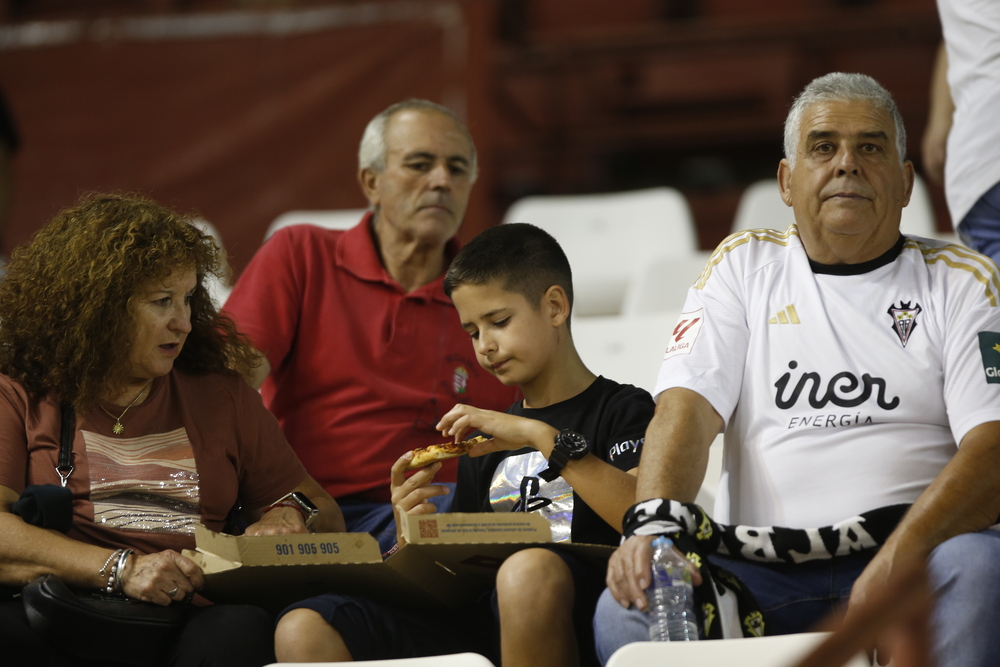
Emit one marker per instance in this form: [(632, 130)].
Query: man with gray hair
[(855, 373), (361, 350)]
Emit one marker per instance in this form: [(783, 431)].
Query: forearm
[(675, 453), (329, 520), (27, 552), (963, 498), (942, 106), (606, 489)]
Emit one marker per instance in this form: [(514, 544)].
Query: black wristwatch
[(570, 446), (300, 502)]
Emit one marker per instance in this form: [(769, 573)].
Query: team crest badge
[(904, 319), (459, 380), (754, 624)]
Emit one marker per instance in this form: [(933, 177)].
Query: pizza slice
[(424, 456)]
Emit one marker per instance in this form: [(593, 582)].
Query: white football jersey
[(842, 391)]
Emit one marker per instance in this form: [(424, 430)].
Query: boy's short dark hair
[(524, 258)]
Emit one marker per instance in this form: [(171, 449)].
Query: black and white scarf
[(697, 536)]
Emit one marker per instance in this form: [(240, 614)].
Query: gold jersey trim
[(736, 240), (959, 257), (951, 255)]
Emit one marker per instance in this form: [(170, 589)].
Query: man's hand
[(411, 495), (629, 571), (509, 431), (279, 521), (895, 616), (161, 578), (882, 568)]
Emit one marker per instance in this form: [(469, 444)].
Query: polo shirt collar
[(356, 253)]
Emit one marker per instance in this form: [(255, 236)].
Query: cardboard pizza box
[(449, 561), (473, 546), (276, 570)]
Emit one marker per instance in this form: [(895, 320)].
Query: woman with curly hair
[(106, 323)]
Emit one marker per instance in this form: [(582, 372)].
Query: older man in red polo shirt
[(363, 351)]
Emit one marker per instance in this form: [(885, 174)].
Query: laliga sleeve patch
[(685, 334), (989, 347)]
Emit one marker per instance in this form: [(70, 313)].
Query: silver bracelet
[(113, 560), (104, 568), (119, 571)]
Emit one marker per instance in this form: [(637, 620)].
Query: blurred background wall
[(240, 110)]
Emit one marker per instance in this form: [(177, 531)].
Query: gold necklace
[(118, 429)]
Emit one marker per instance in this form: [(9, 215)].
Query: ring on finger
[(172, 592)]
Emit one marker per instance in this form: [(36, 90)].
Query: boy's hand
[(508, 431), (411, 494)]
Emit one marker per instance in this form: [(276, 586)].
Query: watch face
[(574, 444), (304, 502)]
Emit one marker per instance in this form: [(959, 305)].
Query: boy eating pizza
[(568, 450)]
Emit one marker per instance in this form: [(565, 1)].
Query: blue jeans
[(792, 598), (980, 228), (965, 576), (363, 516)]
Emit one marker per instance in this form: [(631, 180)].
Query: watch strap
[(557, 461), (292, 500), (562, 453)]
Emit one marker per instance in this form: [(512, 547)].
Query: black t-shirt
[(611, 416)]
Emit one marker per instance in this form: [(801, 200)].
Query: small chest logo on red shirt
[(459, 380)]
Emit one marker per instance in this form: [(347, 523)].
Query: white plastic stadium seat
[(630, 350), (610, 238), (339, 219), (761, 207), (778, 651), (625, 349), (454, 660), (663, 285), (918, 216)]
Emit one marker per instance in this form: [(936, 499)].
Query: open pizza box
[(472, 546), (450, 559)]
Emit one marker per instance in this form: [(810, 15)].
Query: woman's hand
[(284, 520), (278, 521), (411, 495), (508, 431), (161, 578)]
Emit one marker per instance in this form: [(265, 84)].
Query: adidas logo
[(786, 316)]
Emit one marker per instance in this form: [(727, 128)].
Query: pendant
[(118, 429)]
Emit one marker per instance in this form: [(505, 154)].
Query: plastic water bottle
[(671, 596)]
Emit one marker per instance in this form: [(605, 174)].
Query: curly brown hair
[(68, 301)]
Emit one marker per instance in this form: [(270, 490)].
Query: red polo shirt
[(360, 371)]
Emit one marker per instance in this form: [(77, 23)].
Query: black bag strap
[(67, 431)]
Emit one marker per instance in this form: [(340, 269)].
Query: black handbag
[(106, 628), (101, 627)]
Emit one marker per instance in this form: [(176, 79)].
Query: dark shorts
[(219, 636), (377, 631)]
